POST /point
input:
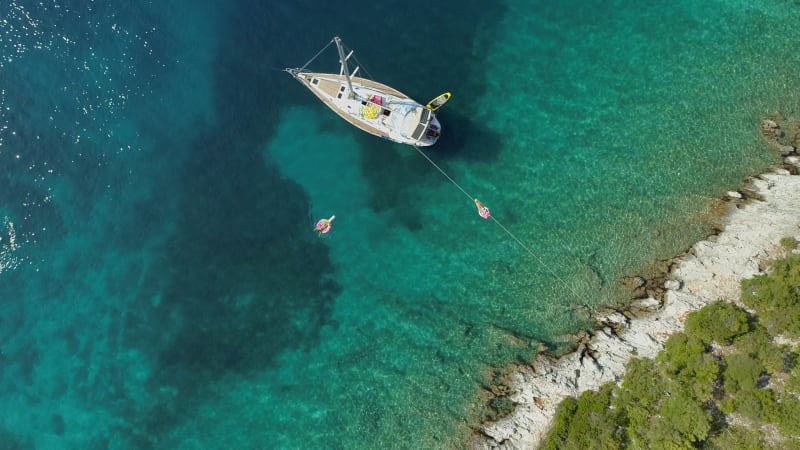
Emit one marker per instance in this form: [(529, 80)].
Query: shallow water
[(162, 286)]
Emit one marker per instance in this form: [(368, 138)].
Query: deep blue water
[(160, 279)]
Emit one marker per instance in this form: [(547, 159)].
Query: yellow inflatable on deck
[(370, 111)]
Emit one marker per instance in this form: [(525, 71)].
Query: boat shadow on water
[(395, 177)]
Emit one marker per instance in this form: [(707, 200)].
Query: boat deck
[(330, 86)]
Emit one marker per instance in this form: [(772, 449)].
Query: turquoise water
[(162, 286)]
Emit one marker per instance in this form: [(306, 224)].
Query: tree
[(742, 373), (719, 322), (775, 296), (682, 423), (588, 423), (736, 438), (758, 404), (559, 433), (686, 360), (639, 396), (758, 344), (789, 415)]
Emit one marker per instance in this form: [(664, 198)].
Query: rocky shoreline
[(766, 210)]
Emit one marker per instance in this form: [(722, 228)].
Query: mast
[(343, 60)]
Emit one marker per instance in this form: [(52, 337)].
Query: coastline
[(766, 210)]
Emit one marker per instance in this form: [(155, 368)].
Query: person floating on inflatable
[(324, 225), (483, 211)]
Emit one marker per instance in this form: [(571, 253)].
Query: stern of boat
[(432, 133)]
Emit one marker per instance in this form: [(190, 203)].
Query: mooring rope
[(444, 173), (503, 227)]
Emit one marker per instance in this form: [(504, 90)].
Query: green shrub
[(789, 415), (662, 435), (758, 344), (741, 373), (682, 422), (680, 351), (775, 296), (718, 322), (727, 405), (757, 404), (642, 385), (502, 406), (789, 444), (587, 423), (560, 431), (769, 404), (686, 360), (736, 438), (639, 396), (793, 382), (789, 243)]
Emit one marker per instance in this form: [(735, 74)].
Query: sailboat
[(371, 106)]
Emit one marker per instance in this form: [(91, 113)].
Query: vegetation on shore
[(726, 382)]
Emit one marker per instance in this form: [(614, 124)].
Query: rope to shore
[(499, 224)]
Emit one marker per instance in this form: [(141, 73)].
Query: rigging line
[(369, 75), (443, 173), (318, 53), (513, 236)]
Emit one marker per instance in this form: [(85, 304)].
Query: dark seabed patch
[(238, 273), (238, 283)]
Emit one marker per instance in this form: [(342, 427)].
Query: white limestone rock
[(734, 194)]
